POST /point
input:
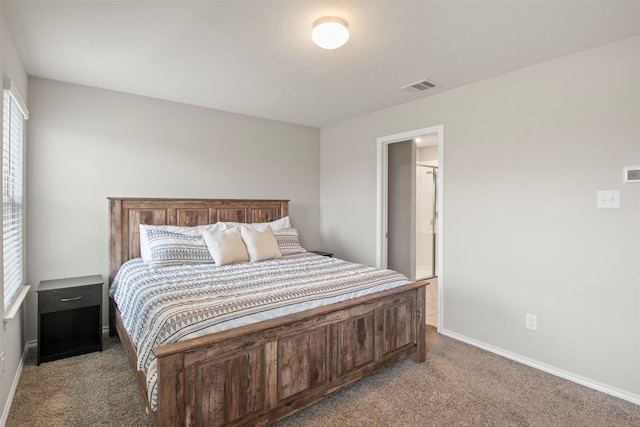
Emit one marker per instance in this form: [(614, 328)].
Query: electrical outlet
[(531, 322)]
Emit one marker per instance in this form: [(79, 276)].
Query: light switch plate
[(608, 199)]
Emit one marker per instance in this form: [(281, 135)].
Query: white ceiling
[(257, 57)]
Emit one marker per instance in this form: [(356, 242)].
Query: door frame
[(383, 194)]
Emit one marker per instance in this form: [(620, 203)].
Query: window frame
[(15, 114)]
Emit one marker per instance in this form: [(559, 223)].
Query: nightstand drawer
[(70, 298)]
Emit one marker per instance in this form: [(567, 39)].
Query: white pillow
[(145, 251), (261, 244), (288, 241), (278, 224), (226, 247)]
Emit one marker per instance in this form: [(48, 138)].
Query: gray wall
[(86, 144), (524, 154), (424, 154)]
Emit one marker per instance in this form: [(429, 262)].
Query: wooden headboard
[(126, 214)]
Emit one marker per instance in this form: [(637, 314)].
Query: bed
[(257, 373)]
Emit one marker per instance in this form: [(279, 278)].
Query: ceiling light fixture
[(330, 32)]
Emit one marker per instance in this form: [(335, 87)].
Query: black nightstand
[(69, 317), (329, 254)]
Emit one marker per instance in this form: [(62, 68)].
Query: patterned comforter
[(164, 305)]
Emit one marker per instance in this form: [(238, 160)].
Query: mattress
[(164, 305)]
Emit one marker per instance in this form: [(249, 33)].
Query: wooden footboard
[(258, 374)]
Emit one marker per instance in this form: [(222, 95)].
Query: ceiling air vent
[(418, 86)]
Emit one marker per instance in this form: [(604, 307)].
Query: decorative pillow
[(278, 224), (288, 241), (145, 251), (226, 247), (168, 248), (261, 244)]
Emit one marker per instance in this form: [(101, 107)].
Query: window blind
[(12, 196)]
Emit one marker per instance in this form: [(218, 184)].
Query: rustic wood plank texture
[(356, 342), (421, 324), (193, 217), (302, 362), (171, 408), (257, 374)]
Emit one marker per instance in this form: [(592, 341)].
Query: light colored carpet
[(96, 389), (458, 385)]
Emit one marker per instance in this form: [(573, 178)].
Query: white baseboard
[(14, 386), (612, 391)]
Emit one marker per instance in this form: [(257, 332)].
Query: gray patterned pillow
[(288, 241), (169, 248)]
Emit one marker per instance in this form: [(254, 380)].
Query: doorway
[(410, 202)]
